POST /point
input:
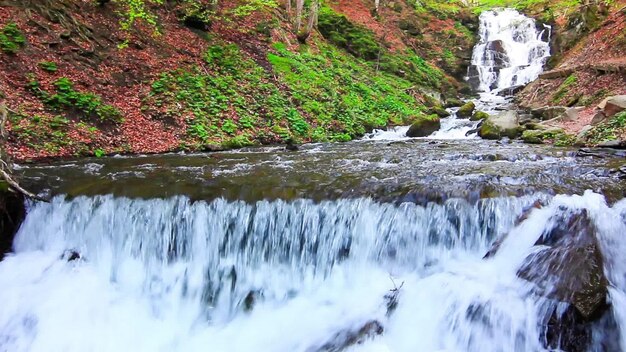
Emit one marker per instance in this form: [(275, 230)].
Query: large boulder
[(424, 126), (570, 267), (613, 105), (505, 124), (466, 111), (439, 111)]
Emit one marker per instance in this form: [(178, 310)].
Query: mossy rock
[(489, 130), (466, 111), (533, 136), (424, 126), (439, 111), (479, 115), (453, 103)]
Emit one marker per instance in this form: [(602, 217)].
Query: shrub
[(11, 39)]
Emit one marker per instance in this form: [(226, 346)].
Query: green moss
[(479, 115), (48, 66), (556, 136), (424, 125), (358, 40), (466, 110), (564, 88)]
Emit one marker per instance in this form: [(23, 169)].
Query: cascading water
[(171, 275), (511, 51)]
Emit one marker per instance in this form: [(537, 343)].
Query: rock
[(505, 124), (506, 92), (424, 126), (617, 144), (571, 268), (453, 102), (525, 118), (548, 112), (12, 213), (479, 115), (500, 57), (571, 114), (613, 105), (350, 337), (539, 136), (599, 117), (439, 111), (465, 111)]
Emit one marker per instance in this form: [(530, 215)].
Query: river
[(372, 245)]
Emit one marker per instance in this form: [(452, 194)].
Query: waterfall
[(511, 51), (117, 274)]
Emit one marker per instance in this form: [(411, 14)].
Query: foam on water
[(172, 275)]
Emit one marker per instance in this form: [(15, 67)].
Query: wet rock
[(571, 268), (350, 337), (548, 112), (505, 124), (453, 102), (511, 90), (12, 213), (498, 52), (439, 111), (617, 144), (465, 111), (539, 136), (424, 126), (479, 115)]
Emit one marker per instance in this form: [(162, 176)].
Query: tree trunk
[(299, 9)]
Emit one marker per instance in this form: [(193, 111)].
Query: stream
[(372, 245)]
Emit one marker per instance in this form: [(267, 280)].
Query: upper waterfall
[(511, 51)]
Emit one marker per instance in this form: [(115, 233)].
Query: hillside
[(80, 84)]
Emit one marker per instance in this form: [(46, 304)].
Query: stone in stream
[(439, 111), (350, 337), (505, 124), (506, 92), (479, 115), (569, 269), (466, 111), (424, 125)]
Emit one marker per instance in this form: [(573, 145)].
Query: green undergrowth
[(11, 39), (323, 95), (362, 43), (610, 130), (87, 105), (53, 134)]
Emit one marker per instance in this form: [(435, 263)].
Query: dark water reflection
[(415, 170)]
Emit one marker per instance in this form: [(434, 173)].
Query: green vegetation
[(52, 133), (232, 101), (11, 39), (564, 88), (48, 66), (67, 98), (362, 43), (610, 130)]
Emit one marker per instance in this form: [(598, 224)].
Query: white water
[(170, 275), (519, 60), (520, 52)]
